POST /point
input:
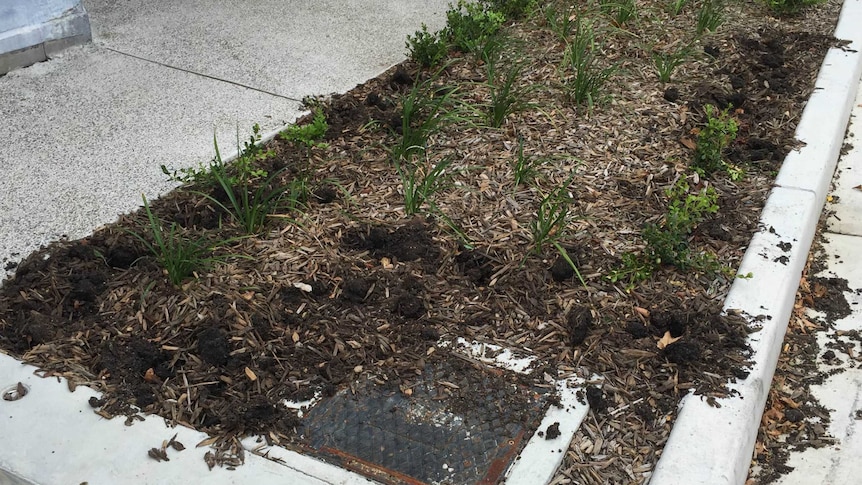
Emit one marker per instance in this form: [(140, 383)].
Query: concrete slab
[(841, 393), (292, 49), (846, 196), (84, 136)]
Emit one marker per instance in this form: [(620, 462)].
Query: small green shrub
[(718, 132), (668, 243), (426, 48), (513, 9), (790, 7), (309, 134), (710, 16), (469, 25)]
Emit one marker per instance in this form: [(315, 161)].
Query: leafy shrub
[(513, 9), (718, 132), (426, 48), (469, 25), (668, 243), (309, 134)]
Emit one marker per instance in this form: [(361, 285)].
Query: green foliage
[(790, 7), (420, 182), (635, 268), (426, 48), (718, 132), (309, 134), (561, 22), (710, 16), (621, 12), (469, 25), (243, 167), (667, 62), (178, 255), (587, 80), (424, 111), (552, 217), (507, 96), (525, 168), (250, 206), (668, 243), (513, 9), (675, 6)]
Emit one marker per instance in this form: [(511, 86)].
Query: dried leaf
[(207, 442), (303, 287), (250, 374), (295, 337), (386, 263), (667, 340), (150, 375)]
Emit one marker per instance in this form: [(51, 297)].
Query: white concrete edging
[(714, 445)]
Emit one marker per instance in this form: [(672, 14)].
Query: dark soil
[(224, 351)]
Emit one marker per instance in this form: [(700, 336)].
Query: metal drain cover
[(461, 424)]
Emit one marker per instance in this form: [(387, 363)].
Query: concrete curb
[(714, 445)]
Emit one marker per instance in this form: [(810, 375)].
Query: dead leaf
[(150, 375), (666, 340), (250, 374), (688, 143), (207, 442), (386, 263), (642, 311), (303, 287), (858, 187), (295, 337)]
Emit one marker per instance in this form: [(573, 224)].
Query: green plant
[(525, 168), (621, 12), (426, 48), (667, 62), (424, 111), (309, 134), (560, 22), (179, 256), (419, 183), (710, 16), (790, 7), (718, 132), (469, 25), (552, 217), (506, 95), (675, 7), (587, 80), (668, 243), (634, 269), (513, 9), (249, 206), (251, 153)]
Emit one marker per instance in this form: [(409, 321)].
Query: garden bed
[(344, 281)]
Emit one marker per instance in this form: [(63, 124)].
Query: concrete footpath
[(83, 135)]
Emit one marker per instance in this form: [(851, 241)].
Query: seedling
[(552, 217), (561, 22), (507, 96), (667, 62), (621, 12), (179, 256), (424, 111), (525, 168), (675, 7)]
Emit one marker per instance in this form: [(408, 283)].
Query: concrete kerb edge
[(714, 445)]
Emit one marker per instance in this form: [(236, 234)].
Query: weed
[(790, 7), (426, 48), (634, 269), (710, 16), (587, 81), (469, 25), (621, 12), (552, 217), (424, 110), (667, 62), (419, 183), (179, 256), (718, 132), (506, 95), (309, 134)]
